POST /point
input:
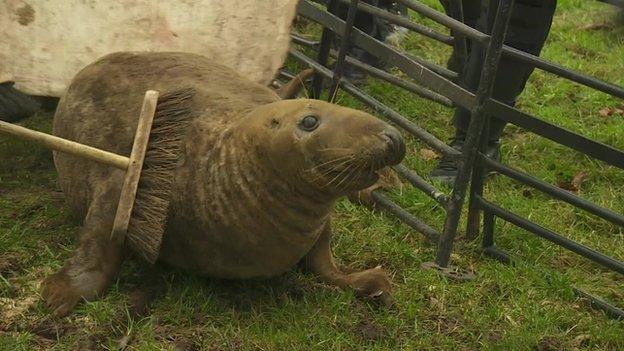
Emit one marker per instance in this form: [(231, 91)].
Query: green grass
[(529, 306)]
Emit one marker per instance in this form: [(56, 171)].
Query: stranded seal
[(253, 192)]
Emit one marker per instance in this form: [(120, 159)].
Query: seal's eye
[(309, 123)]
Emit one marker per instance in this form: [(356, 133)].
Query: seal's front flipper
[(372, 283), (294, 86), (388, 179), (96, 260)]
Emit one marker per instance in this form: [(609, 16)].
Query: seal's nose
[(396, 146)]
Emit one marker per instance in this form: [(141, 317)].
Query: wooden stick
[(66, 146), (133, 174)]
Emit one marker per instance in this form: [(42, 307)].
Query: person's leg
[(472, 12), (528, 28)]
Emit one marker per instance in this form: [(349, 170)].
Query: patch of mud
[(50, 328), (369, 330), (11, 263), (549, 343), (13, 310)]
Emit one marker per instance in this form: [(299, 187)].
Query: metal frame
[(435, 83)]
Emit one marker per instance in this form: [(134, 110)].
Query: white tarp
[(44, 43)]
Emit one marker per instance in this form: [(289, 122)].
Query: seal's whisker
[(348, 176), (337, 176), (331, 169), (342, 159), (353, 180), (340, 174), (329, 162), (373, 167)]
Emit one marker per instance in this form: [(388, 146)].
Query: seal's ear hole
[(309, 123), (274, 123)]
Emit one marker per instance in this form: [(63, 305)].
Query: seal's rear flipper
[(96, 260), (292, 88)]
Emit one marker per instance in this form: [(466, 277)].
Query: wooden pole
[(66, 146)]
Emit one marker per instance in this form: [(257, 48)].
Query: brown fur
[(253, 192)]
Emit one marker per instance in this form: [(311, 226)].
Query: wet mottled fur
[(253, 192)]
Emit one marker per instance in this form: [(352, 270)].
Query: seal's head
[(324, 147)]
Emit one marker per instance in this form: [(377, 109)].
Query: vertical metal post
[(476, 185), (323, 53), (488, 229), (477, 122), (345, 43)]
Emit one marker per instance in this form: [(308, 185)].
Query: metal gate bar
[(551, 236), (554, 191), (403, 22), (595, 149), (407, 85)]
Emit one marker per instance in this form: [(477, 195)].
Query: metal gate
[(436, 83)]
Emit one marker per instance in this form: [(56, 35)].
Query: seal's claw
[(58, 294), (373, 284), (376, 293), (63, 290), (384, 299)]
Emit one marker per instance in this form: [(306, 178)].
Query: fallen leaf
[(428, 154), (122, 343), (581, 341), (606, 111), (573, 185), (435, 302), (610, 111), (595, 26), (578, 180)]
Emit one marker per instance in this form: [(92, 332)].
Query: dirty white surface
[(44, 43)]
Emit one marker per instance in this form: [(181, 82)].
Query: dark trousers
[(528, 28)]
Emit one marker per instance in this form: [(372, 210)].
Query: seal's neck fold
[(247, 188)]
